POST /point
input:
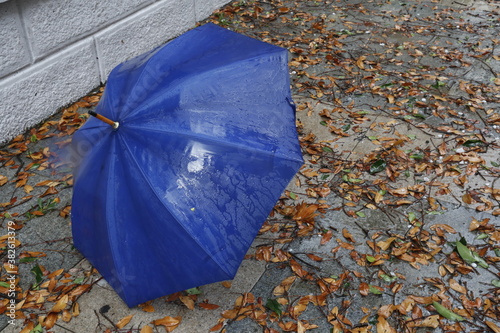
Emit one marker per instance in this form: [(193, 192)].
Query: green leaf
[(412, 216), (38, 329), (27, 259), (448, 314), (411, 136), (495, 164), (274, 306), (373, 138), (293, 195), (4, 284), (345, 128), (496, 283), (38, 274), (465, 252), (79, 280), (417, 156), (388, 278), (327, 149), (361, 214), (377, 166), (324, 123), (473, 143), (497, 252), (374, 290), (193, 291), (482, 236), (370, 259)]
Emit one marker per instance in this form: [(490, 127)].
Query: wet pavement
[(397, 112)]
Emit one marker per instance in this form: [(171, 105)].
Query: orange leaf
[(170, 323), (50, 190), (217, 327), (208, 306), (226, 284), (147, 329), (314, 257), (124, 321), (326, 237), (347, 235), (364, 289)]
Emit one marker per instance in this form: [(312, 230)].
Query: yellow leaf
[(124, 321), (431, 321)]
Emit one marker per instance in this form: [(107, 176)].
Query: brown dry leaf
[(3, 180), (314, 257), (75, 309), (124, 321), (27, 188), (66, 316), (347, 235), (147, 307), (217, 327), (61, 304), (492, 326), (50, 321), (457, 287), (383, 326), (327, 236), (226, 284), (430, 321), (364, 289), (188, 302), (147, 329), (208, 306), (169, 323), (50, 190)]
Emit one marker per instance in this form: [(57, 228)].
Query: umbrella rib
[(166, 207), (215, 140)]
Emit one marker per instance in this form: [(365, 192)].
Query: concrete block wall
[(53, 52)]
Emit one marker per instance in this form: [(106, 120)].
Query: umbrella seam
[(171, 212), (231, 144), (108, 213)]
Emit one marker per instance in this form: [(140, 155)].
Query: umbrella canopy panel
[(174, 197)]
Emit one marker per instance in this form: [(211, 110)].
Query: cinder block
[(14, 53), (143, 31), (34, 94), (53, 24)]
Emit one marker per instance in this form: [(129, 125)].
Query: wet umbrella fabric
[(173, 197)]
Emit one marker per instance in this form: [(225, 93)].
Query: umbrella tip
[(108, 121)]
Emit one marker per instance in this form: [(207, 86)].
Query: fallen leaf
[(169, 323), (124, 321), (147, 329)]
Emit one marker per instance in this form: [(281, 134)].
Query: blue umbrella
[(200, 142)]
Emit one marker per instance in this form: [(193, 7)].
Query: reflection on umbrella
[(201, 145)]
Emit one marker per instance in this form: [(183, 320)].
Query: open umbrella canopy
[(203, 144)]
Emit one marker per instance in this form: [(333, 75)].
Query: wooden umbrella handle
[(108, 121)]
